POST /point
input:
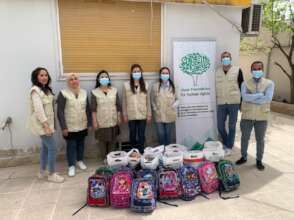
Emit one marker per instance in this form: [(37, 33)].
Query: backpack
[(229, 178), (149, 174), (190, 183), (98, 188), (169, 184), (120, 189), (208, 177), (143, 195)]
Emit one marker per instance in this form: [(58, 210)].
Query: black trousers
[(137, 134)]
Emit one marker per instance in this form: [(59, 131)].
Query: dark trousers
[(223, 112), (137, 134), (75, 150), (260, 129)]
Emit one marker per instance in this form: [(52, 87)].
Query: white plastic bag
[(172, 159), (213, 151), (117, 159), (178, 147), (154, 150), (194, 158), (149, 161), (133, 161)]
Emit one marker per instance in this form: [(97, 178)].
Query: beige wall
[(282, 89)]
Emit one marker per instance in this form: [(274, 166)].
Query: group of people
[(104, 112)]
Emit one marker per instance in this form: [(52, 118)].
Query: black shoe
[(241, 161), (259, 165)]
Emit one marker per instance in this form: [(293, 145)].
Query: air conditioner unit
[(251, 19)]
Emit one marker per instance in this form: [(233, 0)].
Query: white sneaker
[(42, 175), (55, 178), (228, 152), (81, 165), (71, 171)]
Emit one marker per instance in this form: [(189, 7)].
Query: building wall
[(263, 42), (29, 38)]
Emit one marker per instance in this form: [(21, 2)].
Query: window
[(110, 35)]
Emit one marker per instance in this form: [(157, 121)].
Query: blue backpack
[(149, 174), (143, 195), (190, 182)]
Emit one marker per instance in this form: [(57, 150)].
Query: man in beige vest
[(228, 82), (257, 94)]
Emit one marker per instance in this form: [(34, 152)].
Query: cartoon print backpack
[(169, 184), (143, 195), (98, 187), (149, 174), (190, 182), (208, 177), (120, 189), (229, 178)]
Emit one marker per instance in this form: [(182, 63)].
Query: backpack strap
[(220, 191), (203, 195), (79, 209), (167, 203)]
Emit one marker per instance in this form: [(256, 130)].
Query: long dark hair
[(141, 80), (98, 76), (170, 81), (34, 79)]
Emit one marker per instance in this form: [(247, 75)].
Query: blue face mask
[(164, 77), (257, 73), (104, 81), (137, 75), (226, 61)]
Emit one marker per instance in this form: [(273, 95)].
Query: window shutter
[(110, 35)]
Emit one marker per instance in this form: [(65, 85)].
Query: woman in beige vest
[(136, 106), (164, 104), (74, 115), (41, 122), (106, 112)]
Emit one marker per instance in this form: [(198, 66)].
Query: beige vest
[(75, 110), (106, 107), (164, 100), (227, 87), (34, 124), (136, 103), (258, 112)]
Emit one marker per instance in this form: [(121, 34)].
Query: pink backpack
[(208, 177), (120, 189)]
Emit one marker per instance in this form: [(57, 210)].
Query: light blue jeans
[(48, 153), (164, 133)]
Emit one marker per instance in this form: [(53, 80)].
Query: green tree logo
[(195, 64)]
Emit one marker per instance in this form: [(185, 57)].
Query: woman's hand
[(65, 132), (149, 118), (125, 117), (95, 125), (47, 129)]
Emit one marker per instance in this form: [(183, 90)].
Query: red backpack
[(169, 184), (98, 188)]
